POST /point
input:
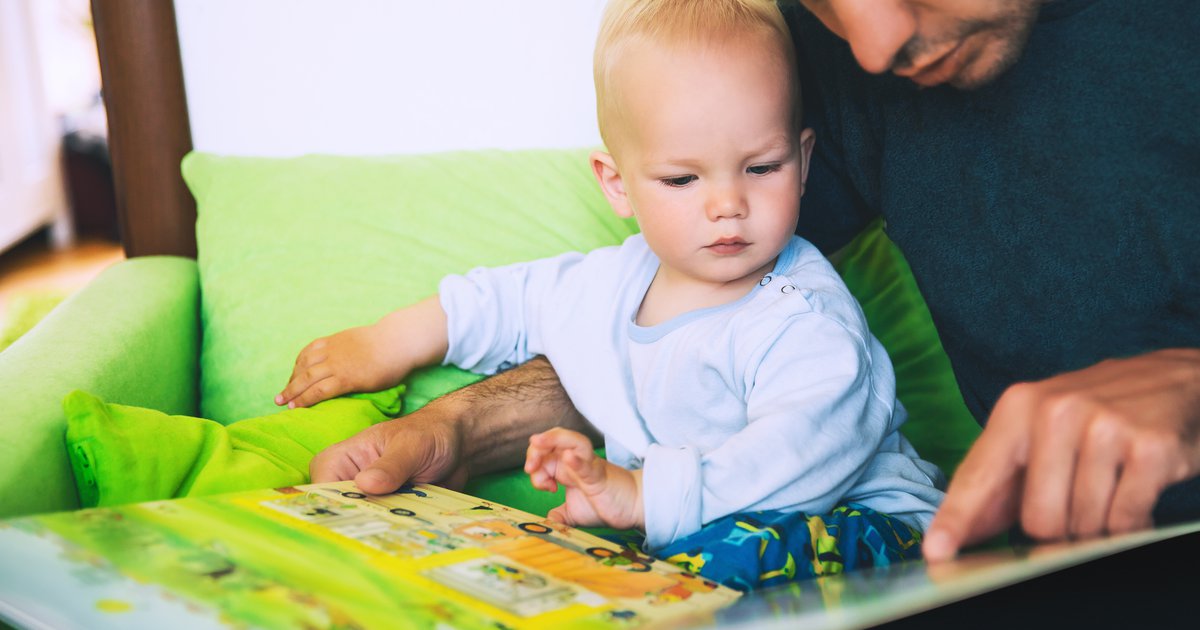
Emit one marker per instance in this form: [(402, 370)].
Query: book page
[(327, 555)]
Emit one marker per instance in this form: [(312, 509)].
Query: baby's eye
[(762, 169), (678, 182)]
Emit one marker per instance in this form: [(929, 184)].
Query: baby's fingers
[(562, 440), (314, 352), (583, 472), (540, 464), (533, 458), (560, 515), (303, 372), (543, 481), (295, 386), (324, 389), (316, 384)]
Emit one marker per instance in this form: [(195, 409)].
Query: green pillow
[(939, 425), (122, 454)]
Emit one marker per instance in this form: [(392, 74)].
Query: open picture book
[(329, 556)]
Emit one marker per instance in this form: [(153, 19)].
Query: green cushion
[(291, 249), (123, 454), (130, 336), (940, 427)]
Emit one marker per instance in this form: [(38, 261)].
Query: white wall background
[(31, 185), (66, 48), (288, 77)]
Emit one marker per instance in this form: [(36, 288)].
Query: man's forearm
[(497, 415)]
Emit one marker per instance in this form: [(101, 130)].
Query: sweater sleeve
[(817, 412), (494, 314)]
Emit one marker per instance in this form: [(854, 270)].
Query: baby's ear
[(605, 169), (807, 140)]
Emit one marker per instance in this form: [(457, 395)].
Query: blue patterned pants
[(759, 549)]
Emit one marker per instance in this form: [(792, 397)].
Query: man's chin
[(988, 64), (968, 81), (996, 56)]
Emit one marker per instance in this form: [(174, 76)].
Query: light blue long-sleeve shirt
[(781, 400)]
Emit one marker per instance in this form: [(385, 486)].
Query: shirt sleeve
[(816, 416), (494, 314)]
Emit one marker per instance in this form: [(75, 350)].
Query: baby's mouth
[(727, 245)]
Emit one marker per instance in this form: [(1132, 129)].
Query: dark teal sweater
[(1051, 217)]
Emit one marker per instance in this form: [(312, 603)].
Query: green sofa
[(292, 249)]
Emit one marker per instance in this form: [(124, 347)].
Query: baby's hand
[(353, 360), (598, 492)]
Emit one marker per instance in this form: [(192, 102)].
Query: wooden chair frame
[(148, 126)]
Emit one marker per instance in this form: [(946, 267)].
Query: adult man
[(1043, 188), (1046, 205)]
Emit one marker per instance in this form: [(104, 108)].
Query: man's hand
[(423, 447), (598, 492), (480, 428), (1080, 454)]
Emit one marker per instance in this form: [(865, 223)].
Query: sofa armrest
[(131, 336)]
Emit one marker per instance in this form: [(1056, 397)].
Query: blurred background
[(58, 224), (387, 77)]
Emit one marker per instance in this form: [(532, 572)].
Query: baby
[(727, 366)]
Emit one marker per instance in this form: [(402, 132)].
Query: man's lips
[(729, 245), (937, 69)]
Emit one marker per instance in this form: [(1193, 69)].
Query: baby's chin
[(731, 273)]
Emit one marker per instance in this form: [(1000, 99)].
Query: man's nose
[(877, 30), (727, 201)]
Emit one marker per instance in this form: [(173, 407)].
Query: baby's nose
[(727, 202)]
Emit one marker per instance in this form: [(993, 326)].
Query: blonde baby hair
[(627, 22)]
